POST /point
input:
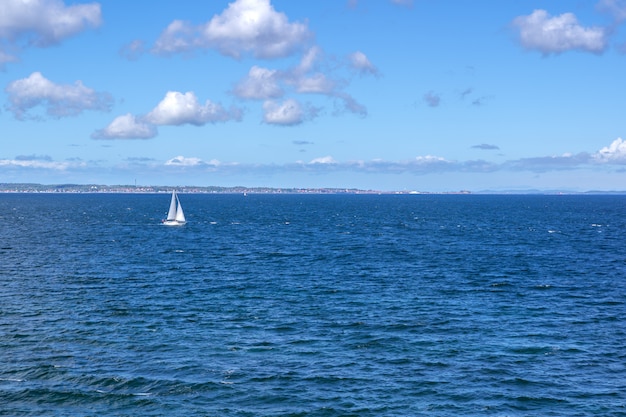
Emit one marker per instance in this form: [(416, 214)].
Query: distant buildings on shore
[(94, 188)]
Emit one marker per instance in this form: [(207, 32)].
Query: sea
[(313, 305)]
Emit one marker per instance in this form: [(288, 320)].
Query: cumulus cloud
[(42, 23), (175, 109), (317, 83), (303, 78), (184, 162), (260, 83), (286, 113), (360, 62), (246, 26), (614, 153), (58, 100), (539, 31), (264, 83), (178, 109), (126, 127)]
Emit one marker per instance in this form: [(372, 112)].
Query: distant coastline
[(155, 189), (34, 188), (142, 189)]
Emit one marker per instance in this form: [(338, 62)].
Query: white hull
[(173, 223)]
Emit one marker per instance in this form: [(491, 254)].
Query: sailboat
[(175, 215)]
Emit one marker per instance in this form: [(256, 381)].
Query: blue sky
[(424, 95)]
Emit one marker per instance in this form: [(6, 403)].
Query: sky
[(390, 95)]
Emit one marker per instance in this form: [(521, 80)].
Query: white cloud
[(316, 83), (261, 83), (308, 60), (610, 157), (178, 108), (245, 26), (304, 78), (360, 62), (42, 23), (133, 50), (429, 159), (558, 34), (350, 104), (38, 163), (184, 162), (323, 160), (289, 112), (126, 127), (616, 8), (615, 152), (320, 83), (59, 100), (178, 36), (175, 109)]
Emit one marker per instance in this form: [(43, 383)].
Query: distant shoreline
[(33, 188), (101, 189)]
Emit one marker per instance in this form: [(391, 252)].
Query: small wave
[(543, 286)]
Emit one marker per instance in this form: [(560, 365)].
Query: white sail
[(171, 214), (180, 216)]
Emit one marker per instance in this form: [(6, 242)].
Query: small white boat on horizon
[(175, 215)]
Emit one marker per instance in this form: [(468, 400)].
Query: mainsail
[(171, 214)]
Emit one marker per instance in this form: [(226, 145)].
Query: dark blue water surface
[(313, 305)]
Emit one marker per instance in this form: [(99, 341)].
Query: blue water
[(313, 305)]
